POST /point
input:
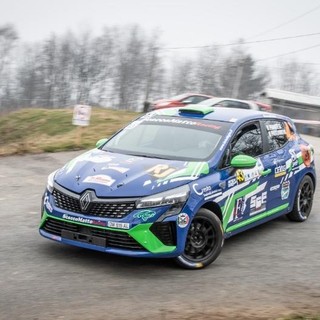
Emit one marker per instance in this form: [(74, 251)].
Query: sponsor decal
[(285, 190), (100, 158), (294, 156), (116, 168), (206, 191), (83, 220), (184, 122), (258, 203), (232, 182), (275, 129), (144, 215), (147, 183), (240, 176), (183, 220), (201, 191), (243, 175), (238, 210), (118, 225), (100, 179), (251, 174), (280, 171), (306, 155), (275, 188), (132, 160)]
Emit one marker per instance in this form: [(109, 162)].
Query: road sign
[(81, 115)]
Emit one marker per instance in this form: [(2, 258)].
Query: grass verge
[(51, 130)]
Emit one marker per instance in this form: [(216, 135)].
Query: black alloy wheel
[(303, 201), (204, 241)]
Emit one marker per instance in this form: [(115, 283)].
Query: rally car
[(176, 182)]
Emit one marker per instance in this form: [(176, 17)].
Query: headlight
[(170, 197), (51, 181)]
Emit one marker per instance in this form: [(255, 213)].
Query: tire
[(204, 241), (302, 201)]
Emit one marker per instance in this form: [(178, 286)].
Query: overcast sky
[(182, 22)]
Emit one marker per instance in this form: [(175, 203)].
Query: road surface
[(265, 273)]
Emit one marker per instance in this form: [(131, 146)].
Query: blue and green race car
[(176, 182)]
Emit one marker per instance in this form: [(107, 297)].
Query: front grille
[(66, 202), (99, 207), (166, 232), (113, 239), (112, 210)]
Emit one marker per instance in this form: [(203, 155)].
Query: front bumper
[(141, 239)]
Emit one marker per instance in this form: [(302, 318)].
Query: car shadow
[(90, 259)]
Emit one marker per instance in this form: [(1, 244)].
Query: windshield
[(169, 138), (179, 97)]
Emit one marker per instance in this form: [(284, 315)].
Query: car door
[(246, 195), (281, 159)]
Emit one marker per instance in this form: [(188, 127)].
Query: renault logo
[(85, 201)]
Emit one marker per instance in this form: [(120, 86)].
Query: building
[(301, 107)]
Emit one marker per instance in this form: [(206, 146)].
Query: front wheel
[(303, 201), (204, 241)]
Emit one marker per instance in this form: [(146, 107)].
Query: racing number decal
[(160, 171)]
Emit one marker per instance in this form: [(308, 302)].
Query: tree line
[(125, 66)]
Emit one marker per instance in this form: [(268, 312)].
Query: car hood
[(119, 175), (162, 101)]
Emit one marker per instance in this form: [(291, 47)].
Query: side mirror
[(186, 101), (243, 161), (101, 142)]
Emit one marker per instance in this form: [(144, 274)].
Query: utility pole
[(237, 81), (149, 79)]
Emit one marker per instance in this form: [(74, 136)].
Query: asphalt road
[(267, 272)]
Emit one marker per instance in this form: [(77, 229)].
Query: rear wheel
[(303, 201), (204, 241)]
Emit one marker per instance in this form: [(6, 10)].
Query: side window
[(234, 104), (277, 133), (248, 141), (242, 105), (194, 99), (199, 99)]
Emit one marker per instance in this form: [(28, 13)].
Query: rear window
[(277, 133)]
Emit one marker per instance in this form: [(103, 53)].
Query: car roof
[(230, 99), (231, 115)]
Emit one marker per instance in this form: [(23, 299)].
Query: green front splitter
[(141, 233)]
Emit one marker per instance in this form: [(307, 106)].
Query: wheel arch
[(313, 178), (214, 208)]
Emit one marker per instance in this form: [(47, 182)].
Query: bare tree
[(132, 69), (8, 37), (296, 77), (208, 71), (240, 77)]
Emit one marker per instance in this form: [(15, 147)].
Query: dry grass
[(51, 130)]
